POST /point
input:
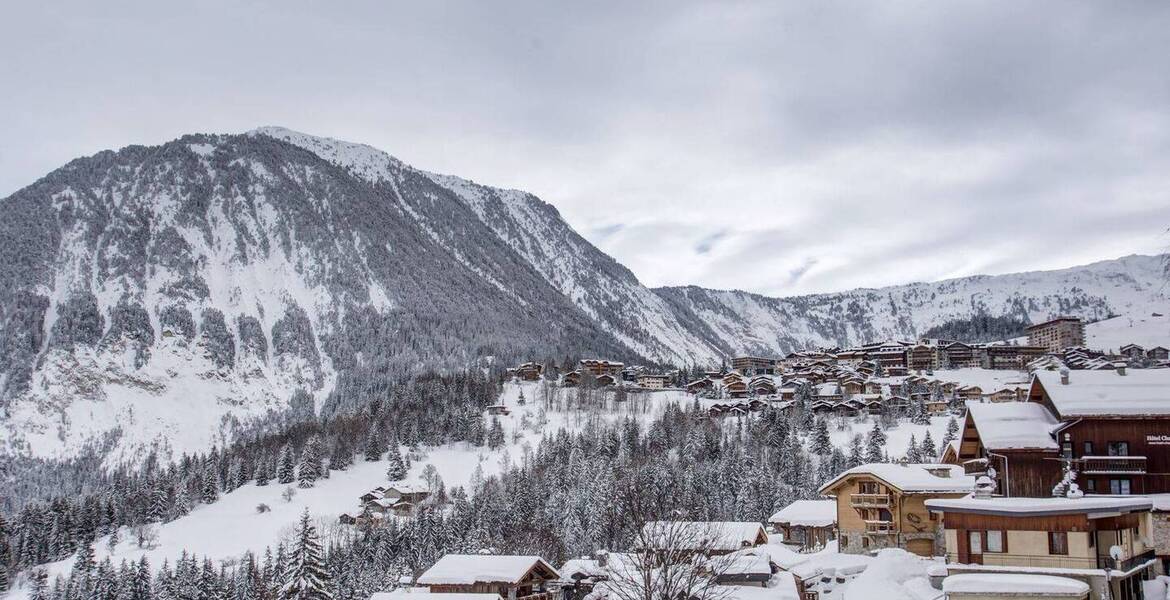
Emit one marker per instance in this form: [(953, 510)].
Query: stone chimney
[(1064, 376)]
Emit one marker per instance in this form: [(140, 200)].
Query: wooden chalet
[(497, 409), (1013, 444), (571, 379), (806, 525), (511, 577), (700, 385), (606, 380), (762, 385), (1158, 353), (651, 381), (1132, 351), (597, 368), (1078, 538), (1114, 426), (882, 505), (529, 371), (962, 356)]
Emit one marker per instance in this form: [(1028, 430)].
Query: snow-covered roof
[(1014, 425), (1094, 393), (1015, 584), (467, 569), (807, 513), (912, 478), (583, 567), (720, 535), (422, 593), (1024, 507), (409, 488)]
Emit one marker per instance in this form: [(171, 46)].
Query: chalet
[(1006, 394), (1132, 351), (571, 379), (969, 393), (1114, 426), (851, 358), (755, 365), (529, 371), (714, 538), (652, 382), (497, 409), (958, 355), (700, 385), (881, 505), (762, 386), (736, 388), (1009, 357), (1013, 444), (1057, 334), (787, 392), (937, 405), (745, 567), (922, 357), (408, 492), (606, 380), (347, 519), (510, 577), (890, 358), (871, 402), (829, 392), (1100, 541), (852, 386), (580, 575), (806, 525), (1158, 353), (597, 368)]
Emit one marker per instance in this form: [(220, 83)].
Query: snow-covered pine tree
[(929, 451), (952, 431), (822, 445), (913, 451), (305, 575), (373, 449), (495, 436), (38, 584), (310, 468), (397, 469), (921, 415), (856, 451), (875, 445), (286, 465), (262, 474)]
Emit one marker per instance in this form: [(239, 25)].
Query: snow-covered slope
[(170, 294), (1131, 286)]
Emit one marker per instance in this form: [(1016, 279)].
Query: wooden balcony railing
[(882, 527), (870, 501), (1108, 465)]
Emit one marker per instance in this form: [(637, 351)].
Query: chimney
[(1120, 366), (1064, 376)]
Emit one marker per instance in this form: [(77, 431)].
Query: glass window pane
[(976, 538), (995, 541)]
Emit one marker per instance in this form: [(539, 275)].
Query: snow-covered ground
[(1144, 330)]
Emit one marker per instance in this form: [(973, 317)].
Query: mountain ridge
[(175, 293)]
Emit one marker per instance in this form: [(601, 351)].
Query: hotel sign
[(1158, 440)]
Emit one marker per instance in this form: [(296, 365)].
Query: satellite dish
[(991, 472), (1116, 552)]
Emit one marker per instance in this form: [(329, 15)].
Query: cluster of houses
[(399, 499)]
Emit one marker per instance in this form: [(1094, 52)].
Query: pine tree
[(305, 576), (310, 467), (952, 431), (875, 445), (373, 447), (262, 473), (921, 416), (495, 436), (913, 452), (822, 445), (38, 581), (286, 465), (929, 451), (856, 451), (397, 469)]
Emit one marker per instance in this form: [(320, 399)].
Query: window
[(869, 487), (1057, 542), (1088, 449), (1066, 449), (975, 541), (1090, 485), (1119, 487), (1118, 448), (995, 541)]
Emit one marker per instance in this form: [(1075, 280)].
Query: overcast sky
[(776, 147)]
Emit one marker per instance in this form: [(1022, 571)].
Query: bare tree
[(668, 559)]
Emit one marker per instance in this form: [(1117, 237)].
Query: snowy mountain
[(161, 297)]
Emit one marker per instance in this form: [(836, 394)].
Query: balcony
[(871, 501), (880, 527), (1126, 564), (1113, 465)]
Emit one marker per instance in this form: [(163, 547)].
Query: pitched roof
[(1106, 393), (1014, 425), (911, 478), (720, 535), (467, 569), (807, 513)]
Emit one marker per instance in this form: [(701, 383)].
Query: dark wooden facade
[(1146, 465)]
